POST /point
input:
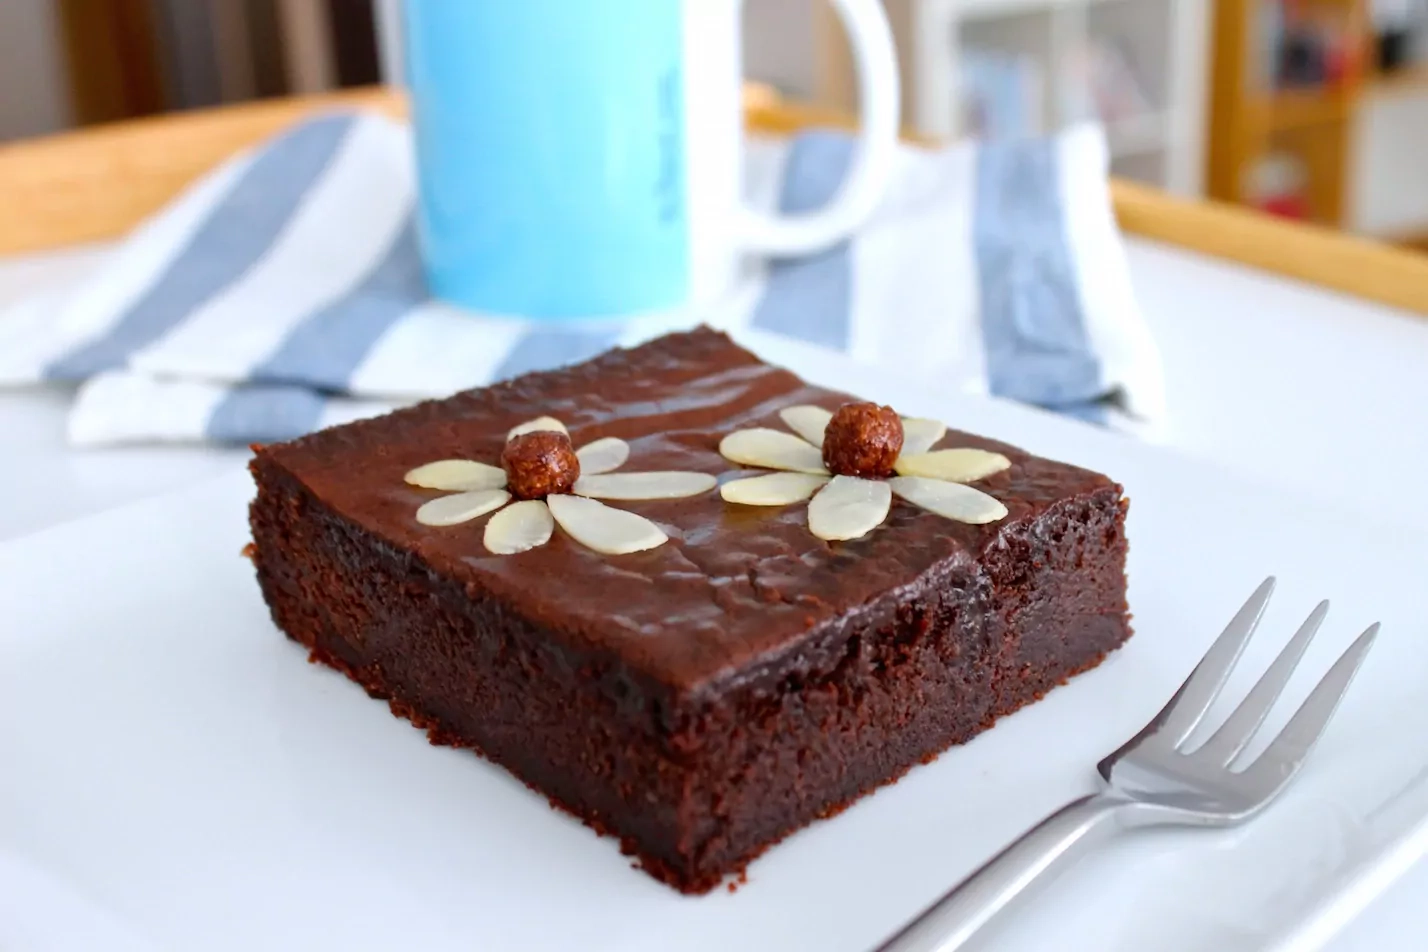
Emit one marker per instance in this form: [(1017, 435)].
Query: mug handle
[(870, 36)]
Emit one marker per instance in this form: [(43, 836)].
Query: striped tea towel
[(284, 291)]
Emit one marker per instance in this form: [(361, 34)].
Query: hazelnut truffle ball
[(539, 463), (862, 439)]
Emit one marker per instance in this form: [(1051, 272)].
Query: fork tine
[(1272, 769), (1185, 710), (1226, 743)]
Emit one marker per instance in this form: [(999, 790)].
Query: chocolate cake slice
[(704, 697)]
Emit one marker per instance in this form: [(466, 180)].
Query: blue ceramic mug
[(582, 157)]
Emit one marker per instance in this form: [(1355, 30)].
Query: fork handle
[(948, 923)]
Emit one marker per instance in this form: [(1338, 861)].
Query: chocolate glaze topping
[(735, 586)]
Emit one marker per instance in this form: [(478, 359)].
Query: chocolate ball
[(862, 439), (539, 463)]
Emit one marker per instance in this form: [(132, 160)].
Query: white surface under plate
[(174, 776)]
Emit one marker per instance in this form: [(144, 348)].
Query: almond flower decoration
[(552, 483), (845, 463)]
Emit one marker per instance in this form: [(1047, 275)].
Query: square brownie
[(703, 699)]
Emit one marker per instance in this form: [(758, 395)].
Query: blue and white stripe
[(284, 292)]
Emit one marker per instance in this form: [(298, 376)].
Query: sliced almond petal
[(775, 489), (957, 466), (772, 449), (849, 508), (539, 423), (606, 530), (520, 526), (462, 507), (457, 475), (808, 422), (602, 455), (953, 500), (920, 435), (659, 485)]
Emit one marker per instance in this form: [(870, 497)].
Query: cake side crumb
[(370, 679)]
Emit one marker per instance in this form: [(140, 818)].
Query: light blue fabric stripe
[(327, 347), (265, 414), (543, 348), (238, 232), (1034, 337), (810, 298)]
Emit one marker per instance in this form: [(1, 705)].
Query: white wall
[(779, 44), (389, 41), (34, 93), (1389, 166)]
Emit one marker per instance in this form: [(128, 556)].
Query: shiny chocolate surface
[(734, 585)]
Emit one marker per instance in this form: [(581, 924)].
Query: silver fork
[(1157, 778)]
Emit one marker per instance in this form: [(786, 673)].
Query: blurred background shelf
[(1313, 109), (1010, 68), (1409, 81), (1319, 111), (1308, 109), (1296, 109)]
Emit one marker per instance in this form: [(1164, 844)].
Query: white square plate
[(173, 775)]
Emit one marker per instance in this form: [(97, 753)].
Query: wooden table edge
[(95, 184)]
